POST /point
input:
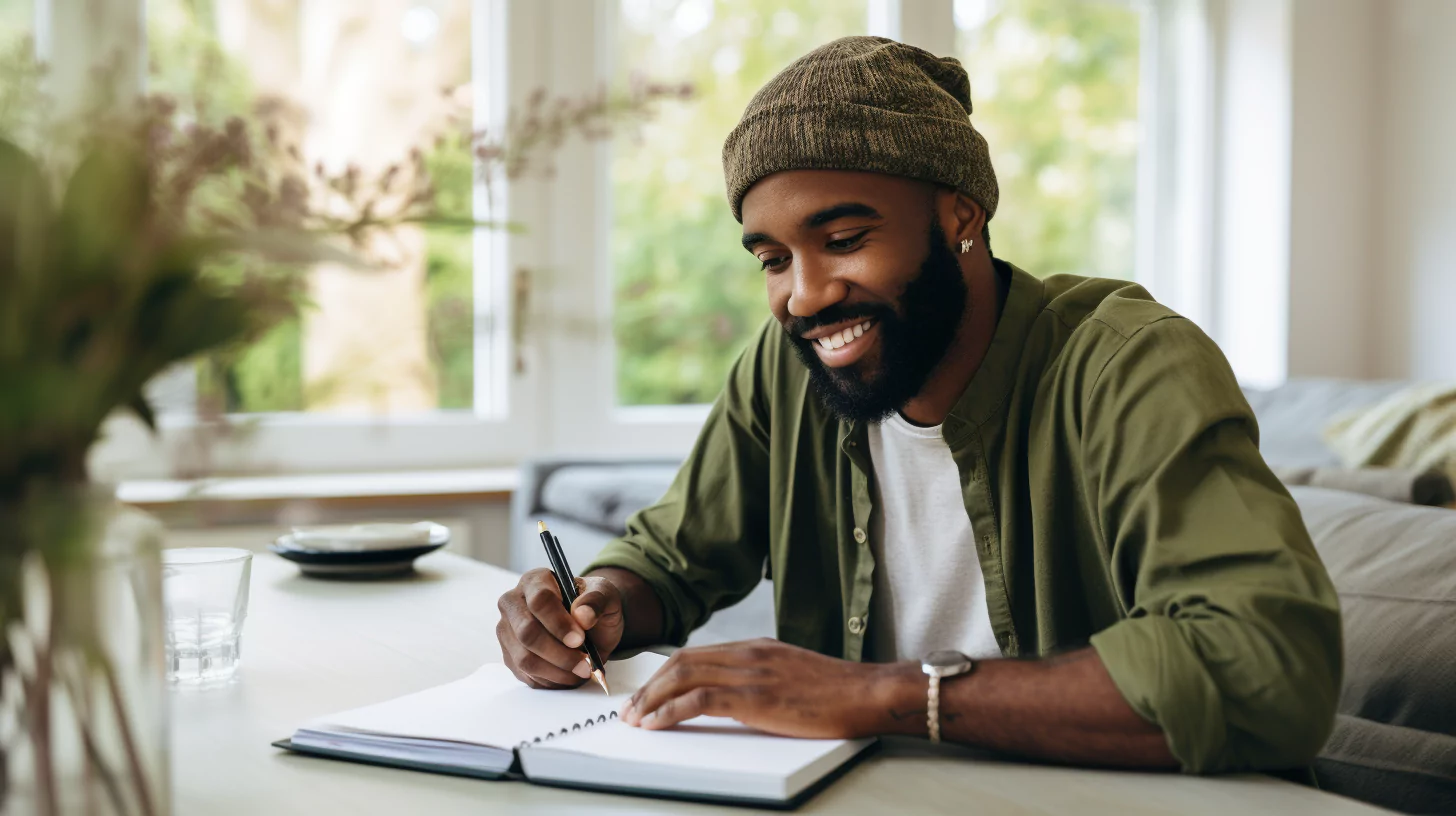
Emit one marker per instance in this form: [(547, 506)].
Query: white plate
[(342, 538)]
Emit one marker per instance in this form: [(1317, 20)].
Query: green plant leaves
[(106, 213)]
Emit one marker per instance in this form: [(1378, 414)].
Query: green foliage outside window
[(16, 21), (188, 62), (449, 265), (1055, 89), (687, 295)]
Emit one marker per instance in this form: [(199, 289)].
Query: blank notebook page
[(492, 707)]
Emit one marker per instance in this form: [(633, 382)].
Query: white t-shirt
[(929, 593)]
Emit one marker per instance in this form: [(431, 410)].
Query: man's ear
[(960, 217), (969, 219)]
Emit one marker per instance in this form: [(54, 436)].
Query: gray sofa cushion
[(1401, 768), (603, 496), (1394, 567), (1292, 417)]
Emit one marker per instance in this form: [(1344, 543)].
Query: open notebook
[(491, 726)]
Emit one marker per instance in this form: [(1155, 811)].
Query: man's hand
[(541, 642), (764, 684)]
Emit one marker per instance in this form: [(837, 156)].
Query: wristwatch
[(939, 665)]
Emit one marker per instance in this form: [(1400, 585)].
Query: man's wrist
[(899, 699)]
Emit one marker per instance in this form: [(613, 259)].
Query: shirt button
[(856, 625), (859, 535)]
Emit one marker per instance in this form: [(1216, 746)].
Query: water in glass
[(206, 595)]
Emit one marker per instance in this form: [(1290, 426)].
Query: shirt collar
[(992, 383)]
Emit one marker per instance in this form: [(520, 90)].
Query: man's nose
[(816, 287)]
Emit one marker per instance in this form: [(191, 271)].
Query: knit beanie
[(863, 103)]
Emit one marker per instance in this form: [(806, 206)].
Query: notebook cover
[(392, 762), (649, 793)]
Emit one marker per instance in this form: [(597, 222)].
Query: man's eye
[(846, 243), (774, 262)]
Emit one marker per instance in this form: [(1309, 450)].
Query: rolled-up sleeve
[(703, 545), (1231, 642)]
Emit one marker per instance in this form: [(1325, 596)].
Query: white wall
[(1335, 64), (1411, 282), (1336, 250), (1253, 188)]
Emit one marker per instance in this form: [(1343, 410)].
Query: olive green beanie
[(863, 103)]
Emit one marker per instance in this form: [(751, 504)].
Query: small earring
[(965, 245)]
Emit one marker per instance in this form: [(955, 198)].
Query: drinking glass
[(205, 592)]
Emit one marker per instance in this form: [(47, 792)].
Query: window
[(17, 21), (1055, 90), (633, 294), (358, 84), (687, 297)]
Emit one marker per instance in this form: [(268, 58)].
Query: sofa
[(1393, 564)]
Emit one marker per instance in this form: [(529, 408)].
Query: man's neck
[(986, 293)]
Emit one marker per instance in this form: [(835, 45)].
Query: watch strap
[(932, 708)]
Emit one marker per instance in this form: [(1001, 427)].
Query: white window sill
[(483, 484)]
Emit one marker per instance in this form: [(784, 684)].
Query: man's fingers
[(527, 630), (532, 664), (542, 643), (532, 668), (513, 654), (677, 678), (543, 597), (595, 605), (714, 701)]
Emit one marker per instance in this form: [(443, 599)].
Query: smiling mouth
[(844, 337)]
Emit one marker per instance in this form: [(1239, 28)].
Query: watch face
[(945, 659)]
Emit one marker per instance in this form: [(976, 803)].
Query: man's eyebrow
[(819, 219), (845, 210), (753, 239)]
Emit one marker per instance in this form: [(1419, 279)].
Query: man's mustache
[(828, 316)]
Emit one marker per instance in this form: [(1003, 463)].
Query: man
[(931, 450)]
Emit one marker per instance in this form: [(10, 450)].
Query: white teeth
[(840, 338)]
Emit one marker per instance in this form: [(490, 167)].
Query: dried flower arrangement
[(133, 237)]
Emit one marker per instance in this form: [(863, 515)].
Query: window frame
[(565, 399), (501, 429)]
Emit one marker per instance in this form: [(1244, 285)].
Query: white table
[(314, 647)]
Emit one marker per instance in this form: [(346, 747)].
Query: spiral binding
[(587, 723)]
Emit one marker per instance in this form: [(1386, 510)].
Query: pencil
[(566, 582)]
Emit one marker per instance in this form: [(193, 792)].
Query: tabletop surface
[(311, 648)]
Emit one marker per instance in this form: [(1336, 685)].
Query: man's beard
[(913, 340)]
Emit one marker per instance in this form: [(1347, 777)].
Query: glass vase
[(83, 706)]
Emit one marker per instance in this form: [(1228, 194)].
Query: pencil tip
[(541, 525), (602, 680)]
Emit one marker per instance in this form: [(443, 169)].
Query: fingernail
[(573, 639), (626, 713), (583, 669), (586, 616), (650, 720)]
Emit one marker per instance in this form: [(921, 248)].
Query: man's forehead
[(791, 197)]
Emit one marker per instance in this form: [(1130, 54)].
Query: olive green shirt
[(1111, 471)]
